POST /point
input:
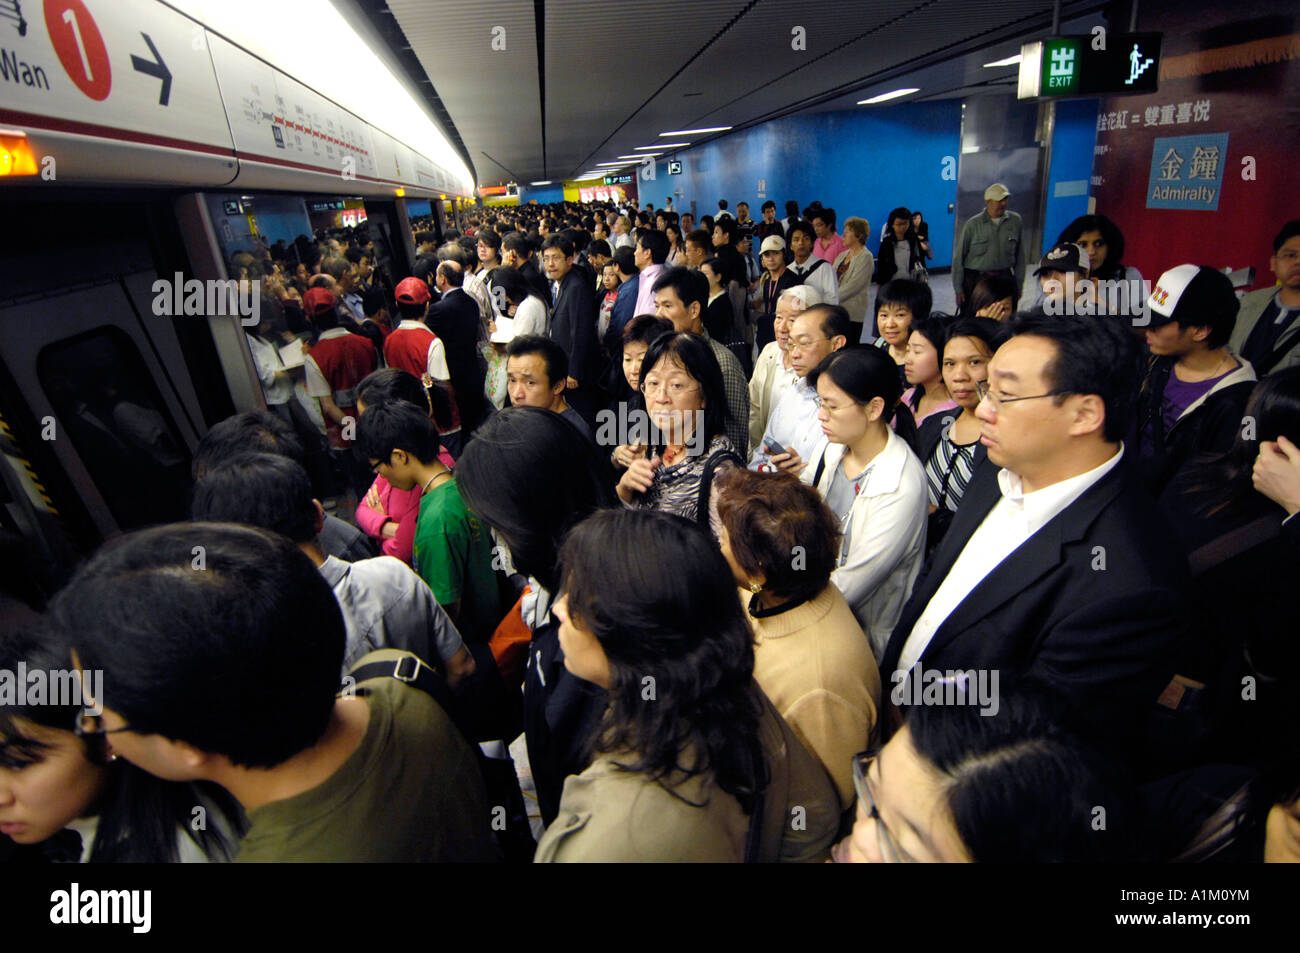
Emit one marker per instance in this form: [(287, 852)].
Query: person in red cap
[(338, 361), (417, 350)]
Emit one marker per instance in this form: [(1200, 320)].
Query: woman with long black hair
[(531, 475), (690, 760)]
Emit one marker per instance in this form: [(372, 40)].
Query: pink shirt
[(829, 250), (645, 290)]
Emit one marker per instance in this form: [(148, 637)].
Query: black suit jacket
[(573, 327), (1091, 606), (455, 319)]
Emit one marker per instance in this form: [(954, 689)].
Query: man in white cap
[(776, 278), (990, 244)]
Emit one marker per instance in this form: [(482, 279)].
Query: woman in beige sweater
[(811, 657)]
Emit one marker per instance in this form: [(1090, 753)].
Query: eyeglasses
[(889, 848), (89, 724), (819, 402), (674, 388), (986, 393)]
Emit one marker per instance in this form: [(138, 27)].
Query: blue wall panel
[(1074, 137), (861, 163), (416, 208), (542, 194)]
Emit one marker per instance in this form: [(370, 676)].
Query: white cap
[(996, 192), (772, 243), (1169, 289)]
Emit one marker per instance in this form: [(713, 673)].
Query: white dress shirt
[(823, 279), (1013, 520), (793, 425)]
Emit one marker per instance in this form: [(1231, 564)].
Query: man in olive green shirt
[(990, 243)]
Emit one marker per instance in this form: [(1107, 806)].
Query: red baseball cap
[(413, 291), (319, 300)]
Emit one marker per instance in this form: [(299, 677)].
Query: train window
[(107, 403)]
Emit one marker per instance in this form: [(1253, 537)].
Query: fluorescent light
[(619, 164), (642, 155), (692, 132), (547, 182), (1009, 61), (664, 145), (886, 96)]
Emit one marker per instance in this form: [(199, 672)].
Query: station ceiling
[(548, 89)]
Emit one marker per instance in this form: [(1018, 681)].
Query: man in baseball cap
[(1196, 389), (413, 291), (776, 278), (991, 243), (1061, 275), (318, 301)]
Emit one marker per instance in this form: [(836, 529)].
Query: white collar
[(411, 324), (1041, 506), (333, 333)]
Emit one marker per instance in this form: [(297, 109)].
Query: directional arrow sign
[(157, 69)]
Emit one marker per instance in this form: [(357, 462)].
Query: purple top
[(1179, 395)]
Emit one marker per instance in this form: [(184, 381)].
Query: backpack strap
[(821, 468), (409, 668), (706, 482)]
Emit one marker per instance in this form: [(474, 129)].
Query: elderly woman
[(687, 407), (773, 372), (691, 762), (622, 233), (639, 334), (853, 269), (810, 656)]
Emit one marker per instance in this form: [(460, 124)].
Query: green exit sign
[(1060, 74), (1098, 64)]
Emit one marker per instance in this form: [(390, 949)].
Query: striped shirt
[(952, 463)]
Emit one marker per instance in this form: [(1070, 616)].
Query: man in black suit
[(573, 323), (1057, 568), (454, 317)]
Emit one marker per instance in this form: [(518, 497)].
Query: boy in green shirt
[(453, 549)]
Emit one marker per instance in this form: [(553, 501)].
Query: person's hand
[(998, 311), (388, 530), (789, 462), (572, 383), (373, 501), (961, 300), (1277, 473), (626, 454), (640, 476)]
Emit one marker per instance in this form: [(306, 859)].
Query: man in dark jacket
[(573, 323), (1057, 568), (1195, 390), (455, 319)]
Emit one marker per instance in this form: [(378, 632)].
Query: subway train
[(106, 385)]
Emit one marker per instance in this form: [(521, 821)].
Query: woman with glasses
[(960, 784), (691, 762), (687, 407), (948, 444), (872, 483), (810, 656), (65, 794)]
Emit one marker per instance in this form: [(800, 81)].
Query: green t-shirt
[(411, 792), (453, 554)]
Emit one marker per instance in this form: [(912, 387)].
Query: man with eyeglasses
[(794, 434), (1267, 333), (1057, 568)]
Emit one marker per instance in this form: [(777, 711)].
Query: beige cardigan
[(855, 287), (816, 665)]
